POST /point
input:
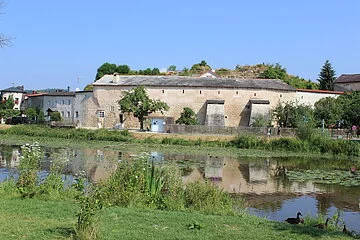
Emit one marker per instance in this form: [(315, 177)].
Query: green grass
[(38, 219), (10, 139)]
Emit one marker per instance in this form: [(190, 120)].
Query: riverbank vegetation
[(140, 200), (307, 142)]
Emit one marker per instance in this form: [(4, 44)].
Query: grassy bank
[(39, 219), (241, 145)]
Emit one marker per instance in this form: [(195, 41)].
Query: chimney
[(68, 89), (116, 77)]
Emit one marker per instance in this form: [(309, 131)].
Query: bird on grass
[(296, 220), (323, 225)]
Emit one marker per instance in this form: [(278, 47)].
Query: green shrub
[(207, 198)]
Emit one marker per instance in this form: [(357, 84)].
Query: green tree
[(172, 68), (89, 87), (274, 72), (330, 109), (155, 71), (350, 103), (327, 77), (187, 117), (137, 102), (123, 69), (106, 68), (55, 116), (289, 114), (185, 72), (9, 104), (199, 67)]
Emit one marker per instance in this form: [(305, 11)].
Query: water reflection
[(260, 181)]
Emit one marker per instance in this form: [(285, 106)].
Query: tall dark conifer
[(327, 77)]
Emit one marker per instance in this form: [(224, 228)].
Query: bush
[(207, 198)]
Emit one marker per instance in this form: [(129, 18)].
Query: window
[(55, 103), (101, 114), (280, 95), (200, 91), (76, 114), (16, 100), (218, 92), (49, 102), (69, 101), (163, 91), (255, 94), (68, 114), (183, 91), (237, 92), (112, 108), (63, 102), (62, 113)]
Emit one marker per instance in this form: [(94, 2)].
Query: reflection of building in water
[(213, 168)]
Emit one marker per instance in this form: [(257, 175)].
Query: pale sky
[(58, 42)]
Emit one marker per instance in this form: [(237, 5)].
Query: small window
[(63, 102), (302, 97), (101, 114), (163, 91), (69, 101), (218, 92), (55, 103), (254, 94), (183, 91), (280, 95), (200, 91), (112, 108), (237, 92), (62, 113), (68, 114), (76, 114)]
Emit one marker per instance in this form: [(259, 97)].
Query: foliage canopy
[(137, 102)]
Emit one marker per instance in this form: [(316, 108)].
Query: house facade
[(216, 101), (17, 94), (310, 96), (70, 105), (347, 83)]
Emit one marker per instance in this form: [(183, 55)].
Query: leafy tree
[(330, 109), (350, 103), (327, 77), (261, 121), (8, 113), (55, 116), (172, 68), (89, 87), (185, 72), (187, 117), (289, 114), (137, 102), (106, 68), (8, 103), (155, 71), (123, 69), (274, 72), (200, 67)]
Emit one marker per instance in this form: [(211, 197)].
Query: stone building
[(69, 104), (216, 101), (347, 83)]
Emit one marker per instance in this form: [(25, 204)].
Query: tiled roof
[(347, 78), (319, 91), (56, 94), (18, 89), (180, 81)]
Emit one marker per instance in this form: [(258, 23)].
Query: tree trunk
[(141, 120)]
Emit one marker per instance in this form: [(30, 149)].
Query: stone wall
[(236, 102)]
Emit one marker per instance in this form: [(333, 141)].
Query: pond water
[(259, 180)]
